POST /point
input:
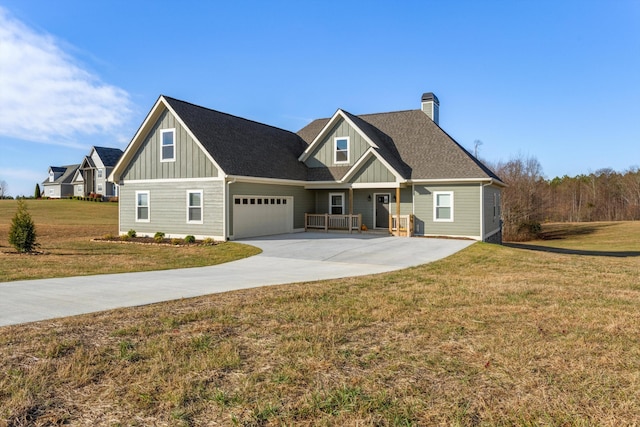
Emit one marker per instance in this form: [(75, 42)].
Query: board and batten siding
[(492, 212), (323, 155), (466, 211), (190, 160), (168, 209), (373, 171), (303, 200)]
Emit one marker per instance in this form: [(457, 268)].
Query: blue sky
[(556, 80)]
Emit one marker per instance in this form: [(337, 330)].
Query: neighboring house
[(59, 183), (92, 175), (192, 170)]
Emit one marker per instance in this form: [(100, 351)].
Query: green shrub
[(158, 237), (208, 242), (22, 234), (175, 241), (131, 233), (189, 239)]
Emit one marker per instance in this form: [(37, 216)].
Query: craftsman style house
[(59, 182), (193, 170), (92, 175)]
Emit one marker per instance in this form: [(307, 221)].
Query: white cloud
[(45, 96)]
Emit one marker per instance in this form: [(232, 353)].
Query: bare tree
[(4, 189)]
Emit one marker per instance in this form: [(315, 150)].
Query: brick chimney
[(431, 106)]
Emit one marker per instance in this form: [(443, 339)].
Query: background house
[(59, 183), (92, 175), (193, 170)]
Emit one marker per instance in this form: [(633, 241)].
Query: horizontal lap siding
[(466, 211), (303, 200), (168, 208)]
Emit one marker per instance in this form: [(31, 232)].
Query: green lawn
[(65, 229)]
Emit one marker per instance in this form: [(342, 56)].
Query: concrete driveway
[(285, 259)]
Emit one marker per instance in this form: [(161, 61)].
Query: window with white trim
[(443, 206), (142, 206), (341, 150), (336, 203), (194, 206), (99, 190), (167, 145), (99, 173)]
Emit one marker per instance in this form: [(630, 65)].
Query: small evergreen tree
[(36, 192), (22, 234)]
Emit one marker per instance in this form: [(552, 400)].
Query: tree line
[(530, 199)]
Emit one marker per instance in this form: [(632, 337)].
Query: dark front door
[(382, 211)]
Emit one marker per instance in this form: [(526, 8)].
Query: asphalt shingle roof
[(413, 145), (109, 156), (244, 147), (66, 177)]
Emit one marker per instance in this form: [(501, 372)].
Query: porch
[(399, 225)]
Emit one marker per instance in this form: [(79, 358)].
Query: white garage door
[(262, 215)]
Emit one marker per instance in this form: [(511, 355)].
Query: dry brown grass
[(65, 229), (490, 336)]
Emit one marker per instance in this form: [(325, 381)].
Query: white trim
[(259, 180), (335, 150), (375, 209), (148, 193), (331, 205), (201, 192), (458, 180), (172, 131), (161, 180), (435, 206)]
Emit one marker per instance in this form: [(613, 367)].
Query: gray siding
[(491, 209), (466, 211), (168, 208), (191, 161), (323, 155), (303, 200), (373, 171)]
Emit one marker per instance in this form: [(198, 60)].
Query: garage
[(262, 215)]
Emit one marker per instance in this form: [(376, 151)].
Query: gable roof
[(66, 177), (416, 147), (109, 156), (243, 147)]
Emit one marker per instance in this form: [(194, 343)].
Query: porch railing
[(401, 225), (332, 222)]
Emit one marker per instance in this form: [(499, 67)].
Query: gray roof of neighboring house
[(244, 147), (413, 145), (66, 177), (109, 156)]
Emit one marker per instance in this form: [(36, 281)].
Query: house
[(58, 184), (92, 175), (193, 170)]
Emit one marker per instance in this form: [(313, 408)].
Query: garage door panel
[(262, 215)]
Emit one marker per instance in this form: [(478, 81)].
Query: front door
[(382, 211)]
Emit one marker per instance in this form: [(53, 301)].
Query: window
[(194, 206), (99, 188), (336, 203), (341, 150), (443, 206), (168, 145), (142, 206), (99, 173)]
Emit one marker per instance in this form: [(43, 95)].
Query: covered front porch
[(378, 210)]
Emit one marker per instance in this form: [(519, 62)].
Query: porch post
[(397, 211), (350, 200)]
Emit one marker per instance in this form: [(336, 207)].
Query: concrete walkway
[(285, 259)]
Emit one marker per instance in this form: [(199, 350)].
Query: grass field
[(65, 229), (493, 335)]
